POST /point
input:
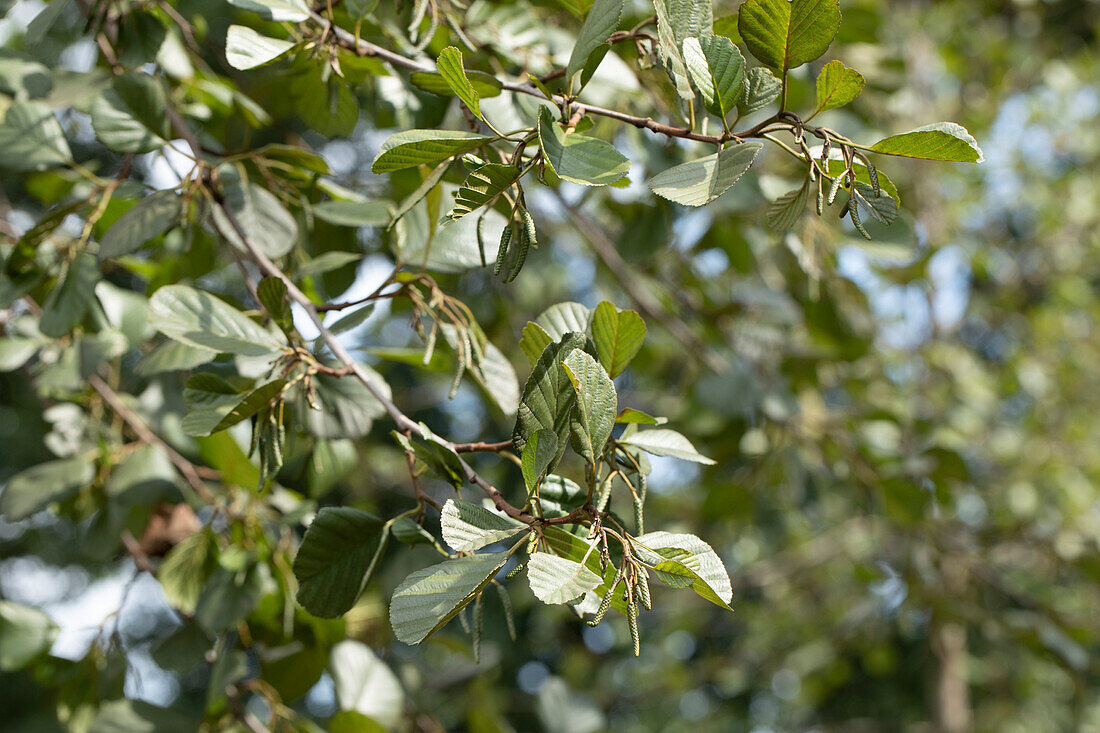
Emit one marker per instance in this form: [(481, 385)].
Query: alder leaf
[(417, 147), (665, 442), (450, 67), (701, 181), (784, 34), (618, 336), (837, 85), (468, 527), (247, 49), (339, 551), (578, 158), (427, 599), (557, 580), (940, 141)]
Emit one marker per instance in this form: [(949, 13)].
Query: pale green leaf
[(34, 488), (467, 527), (363, 684), (258, 212), (198, 319), (290, 11), (761, 89), (247, 49), (718, 71), (130, 117), (578, 158), (184, 571), (25, 634), (427, 599), (701, 181), (335, 561), (594, 413), (712, 581), (31, 138), (557, 579), (785, 211), (353, 214), (665, 442), (562, 318)]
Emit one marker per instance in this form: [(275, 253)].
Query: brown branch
[(366, 48), (483, 447), (188, 470)]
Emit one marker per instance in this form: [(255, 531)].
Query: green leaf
[(260, 214), (837, 85), (36, 487), (15, 352), (537, 456), (557, 579), (173, 356), (727, 26), (603, 19), (256, 401), (198, 319), (618, 336), (718, 70), (31, 138), (579, 550), (678, 20), (785, 34), (70, 299), (701, 181), (290, 11), (364, 686), (548, 397), (148, 218), (25, 634), (562, 318), (577, 158), (416, 147), (711, 579), (229, 596), (353, 214), (630, 416), (940, 141), (594, 413), (184, 571), (761, 89), (272, 294), (468, 527), (131, 117), (482, 186), (247, 49), (534, 341), (44, 21), (329, 261), (785, 211), (405, 529), (485, 85), (336, 559), (453, 71), (427, 599), (450, 248), (665, 442)]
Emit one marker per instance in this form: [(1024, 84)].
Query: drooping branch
[(361, 47)]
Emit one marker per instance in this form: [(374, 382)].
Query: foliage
[(216, 384)]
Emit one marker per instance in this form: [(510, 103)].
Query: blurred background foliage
[(907, 431)]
